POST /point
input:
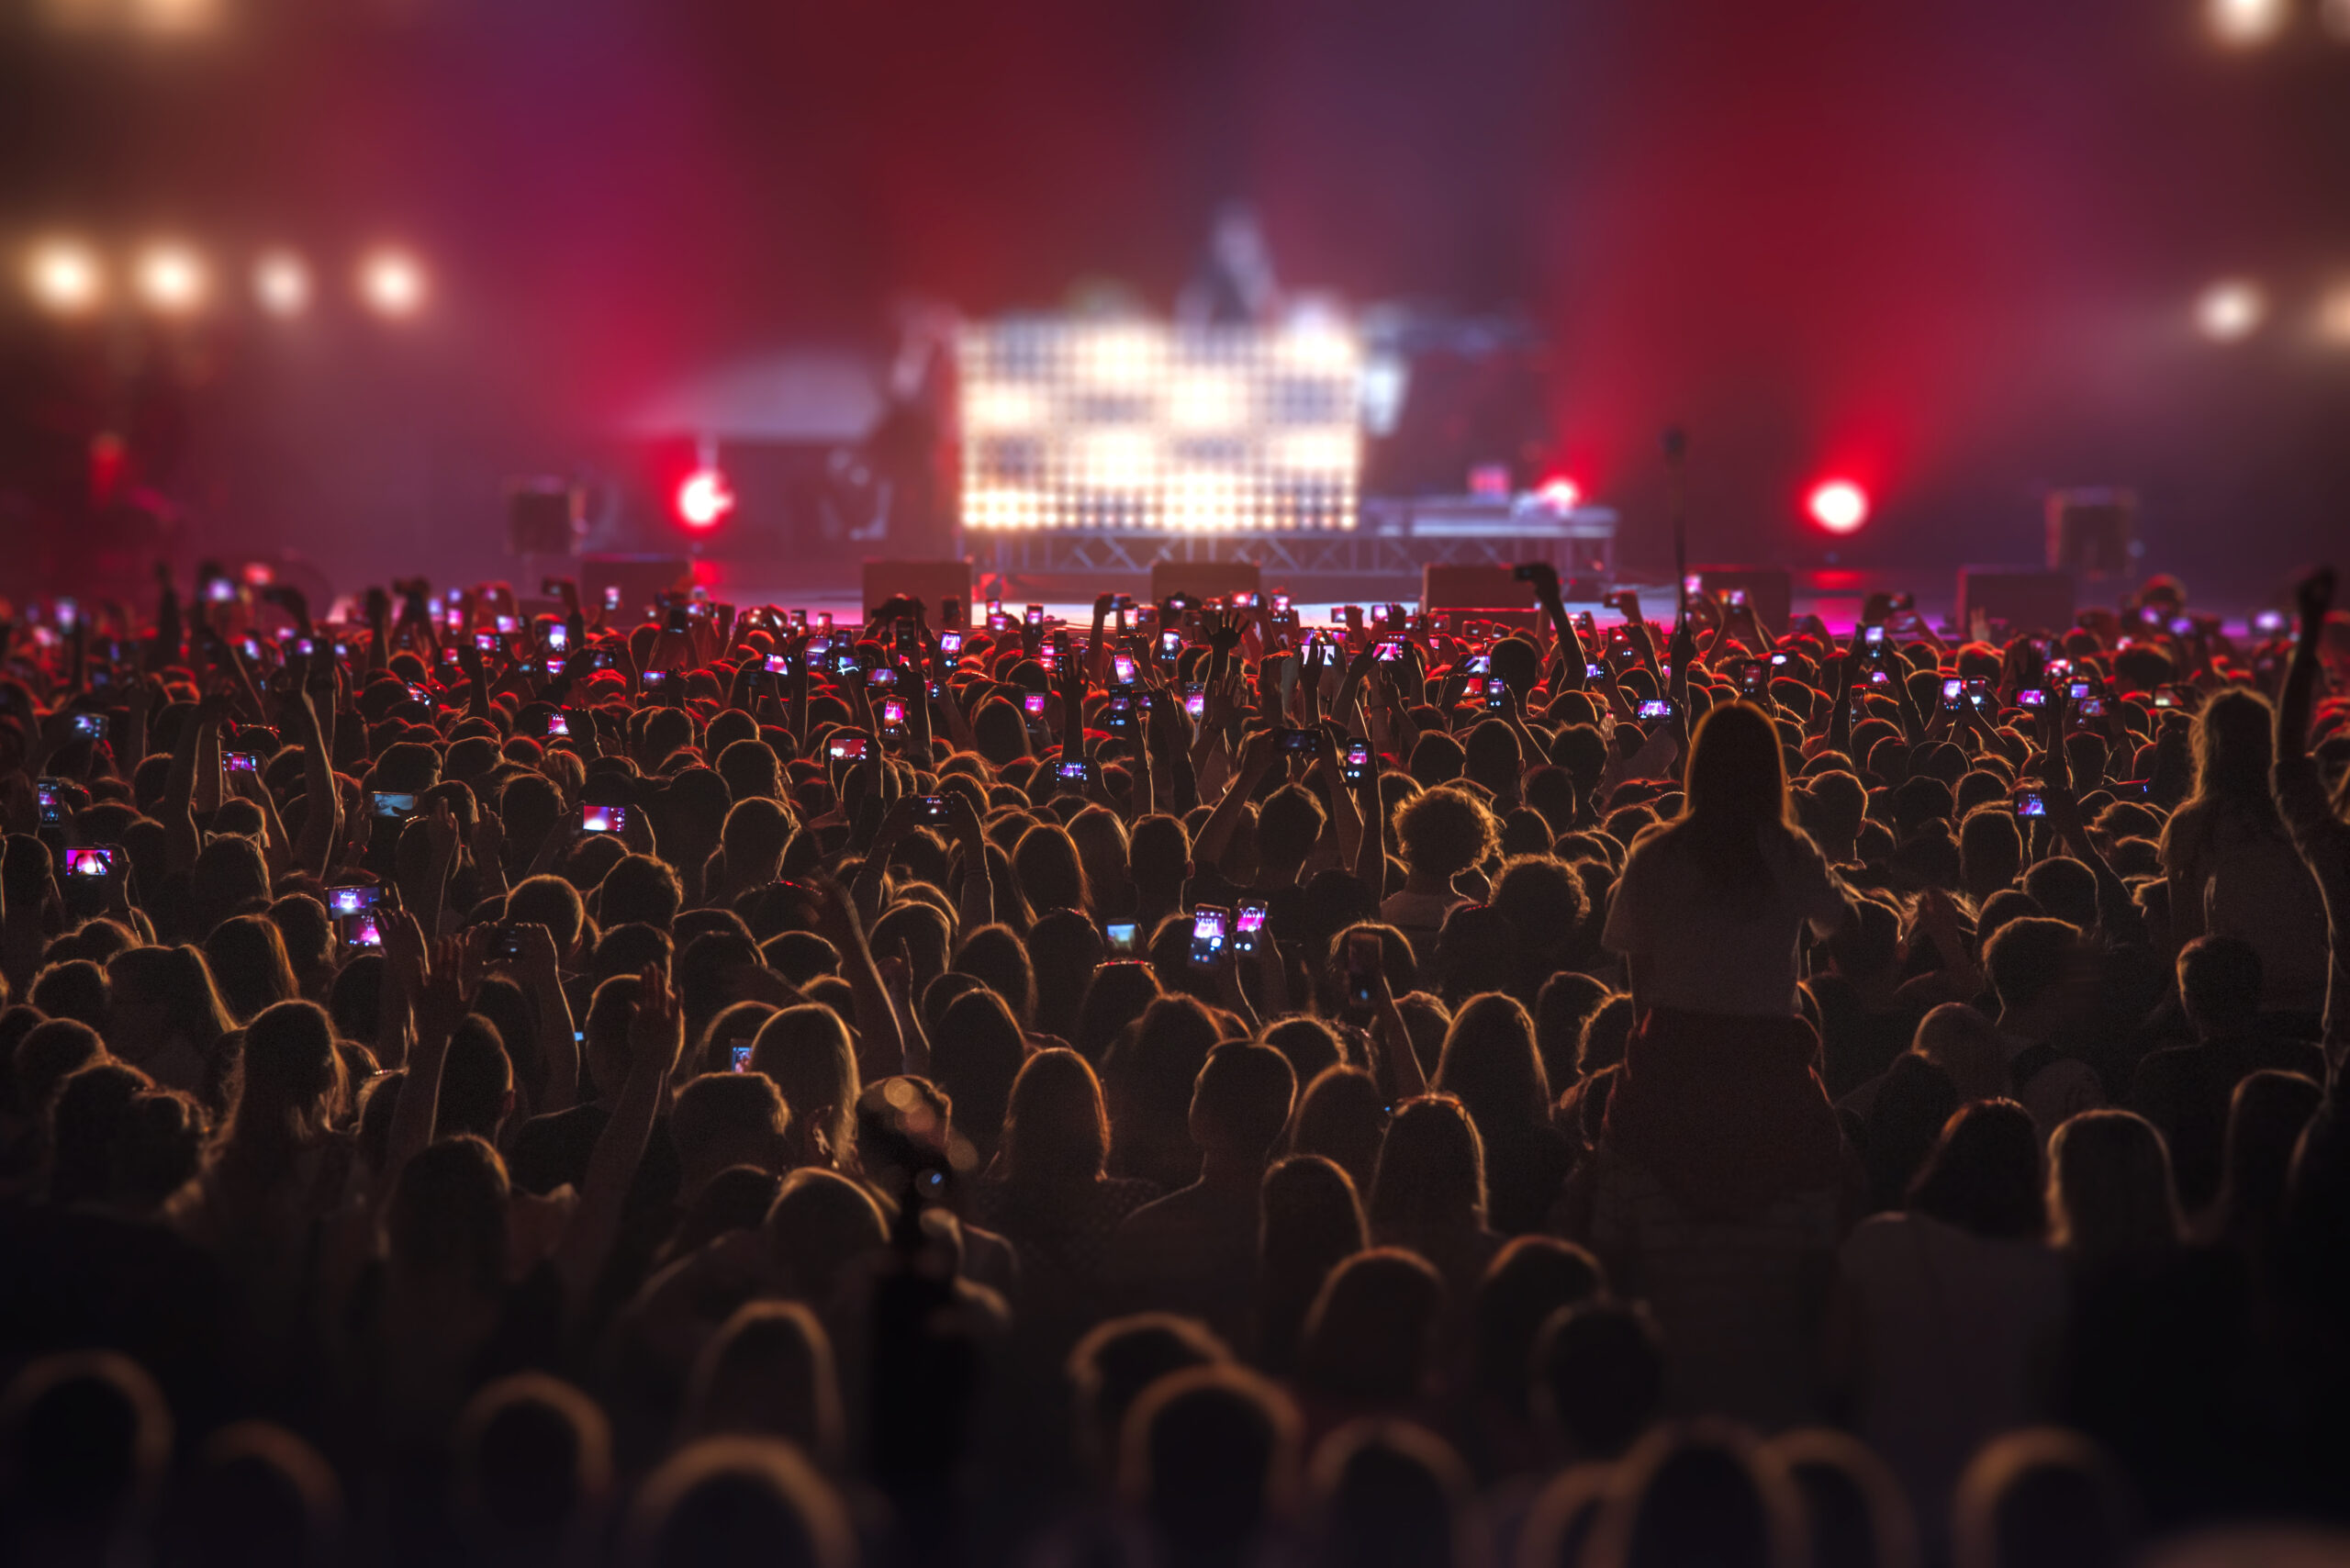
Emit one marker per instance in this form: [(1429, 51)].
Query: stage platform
[(1382, 557)]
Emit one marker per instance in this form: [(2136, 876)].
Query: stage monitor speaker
[(1472, 588), (1486, 620), (2027, 600), (641, 580), (539, 514), (2093, 532), (1768, 589), (933, 582), (1204, 579)]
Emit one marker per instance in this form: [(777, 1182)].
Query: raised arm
[(322, 801), (655, 1035), (881, 1049)]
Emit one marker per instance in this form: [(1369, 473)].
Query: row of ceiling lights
[(67, 277)]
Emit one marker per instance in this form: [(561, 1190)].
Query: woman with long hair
[(166, 1019), (1048, 1189), (1719, 1099), (1430, 1193), (2231, 865), (1948, 1313), (1491, 1064)]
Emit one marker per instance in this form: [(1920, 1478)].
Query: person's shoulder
[(2285, 1054), (1874, 1235)]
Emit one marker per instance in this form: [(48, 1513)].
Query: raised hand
[(656, 1030)]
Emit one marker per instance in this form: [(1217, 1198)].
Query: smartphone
[(1171, 647), (1035, 617), (1118, 713), (1390, 651), (91, 725), (52, 800), (1978, 691), (1073, 776), (893, 715), (845, 748), (1654, 707), (881, 676), (951, 643), (220, 590), (2268, 623), (2090, 707), (603, 819), (1953, 686), (933, 810), (1365, 960), (391, 803), (1123, 936), (1121, 668), (655, 678), (1592, 671), (2031, 697), (1356, 762), (1300, 740), (1245, 931), (779, 664), (352, 897), (1210, 926), (2031, 801), (1496, 695), (1195, 698), (611, 596), (93, 861), (359, 929), (1693, 584), (1735, 599), (239, 762), (1753, 675), (1872, 638), (1478, 663), (1033, 704), (559, 636)]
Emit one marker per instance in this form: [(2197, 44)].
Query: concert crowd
[(499, 1080)]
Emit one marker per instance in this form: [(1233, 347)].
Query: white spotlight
[(2245, 23), (282, 284), (2229, 311), (171, 279), (392, 284), (65, 277)]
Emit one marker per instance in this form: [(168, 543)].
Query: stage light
[(392, 284), (65, 277), (704, 498), (1838, 505), (2245, 23), (171, 279), (2229, 311), (282, 284), (2334, 317), (1559, 493)]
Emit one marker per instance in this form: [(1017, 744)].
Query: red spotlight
[(704, 498), (1559, 493), (1838, 505)]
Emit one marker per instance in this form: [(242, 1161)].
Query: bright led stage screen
[(1136, 427)]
